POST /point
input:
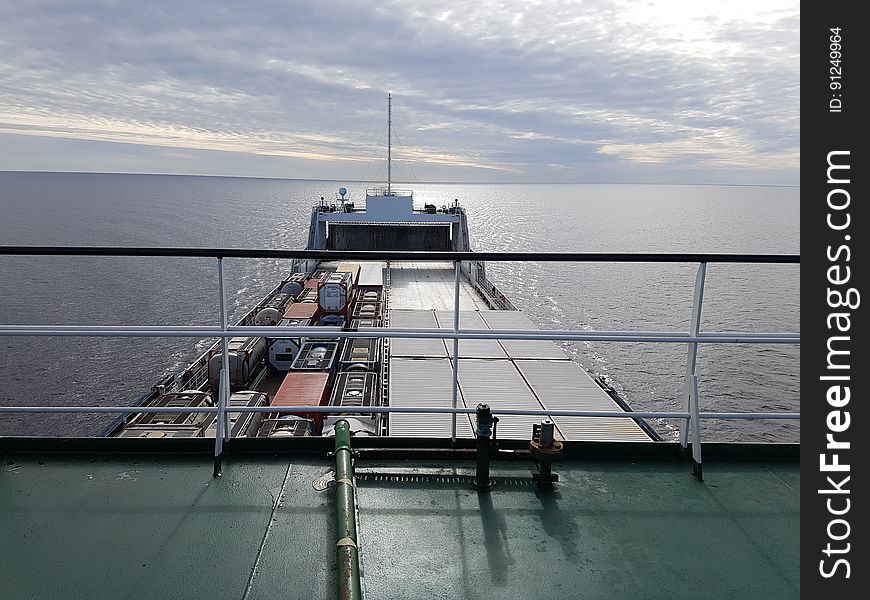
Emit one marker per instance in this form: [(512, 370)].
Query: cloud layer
[(603, 90)]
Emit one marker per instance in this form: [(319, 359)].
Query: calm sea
[(155, 210)]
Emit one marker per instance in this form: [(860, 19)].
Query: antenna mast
[(389, 142)]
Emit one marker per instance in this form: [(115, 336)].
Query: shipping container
[(367, 310), (303, 389), (371, 275), (336, 293), (287, 322), (294, 322), (363, 323), (316, 355), (286, 426), (308, 296), (190, 398), (355, 389), (316, 279), (422, 383), (352, 268), (359, 426), (277, 299), (294, 284), (245, 355), (369, 295), (301, 310), (176, 431), (266, 317), (242, 424), (361, 353), (282, 350), (270, 311), (282, 353), (332, 321)]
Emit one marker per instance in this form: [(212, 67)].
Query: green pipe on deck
[(345, 517)]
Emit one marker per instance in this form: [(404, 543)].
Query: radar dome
[(342, 191)]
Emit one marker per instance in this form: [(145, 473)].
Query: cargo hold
[(564, 385), (469, 319), (421, 347), (419, 383), (499, 384), (514, 319)]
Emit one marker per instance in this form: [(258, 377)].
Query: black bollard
[(482, 480)]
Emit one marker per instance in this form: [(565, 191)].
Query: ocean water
[(155, 210)]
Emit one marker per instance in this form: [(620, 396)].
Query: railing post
[(224, 388), (455, 347), (691, 360), (696, 428), (219, 431)]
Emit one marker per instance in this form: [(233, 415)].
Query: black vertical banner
[(834, 370)]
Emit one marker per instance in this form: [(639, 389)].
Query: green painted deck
[(152, 526)]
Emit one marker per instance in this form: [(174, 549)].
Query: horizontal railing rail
[(661, 337), (399, 255), (690, 415), (376, 410)]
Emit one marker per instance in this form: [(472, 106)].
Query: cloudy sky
[(553, 90)]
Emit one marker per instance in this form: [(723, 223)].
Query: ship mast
[(389, 142)]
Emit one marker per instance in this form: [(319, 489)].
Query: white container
[(244, 354), (282, 352), (334, 294), (267, 317)]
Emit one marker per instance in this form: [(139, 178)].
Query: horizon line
[(267, 177)]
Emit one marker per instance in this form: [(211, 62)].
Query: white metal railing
[(169, 331), (393, 191), (390, 409), (691, 414)]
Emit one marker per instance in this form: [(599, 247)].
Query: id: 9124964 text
[(835, 71)]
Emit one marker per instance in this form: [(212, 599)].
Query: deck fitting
[(485, 422), (545, 449)]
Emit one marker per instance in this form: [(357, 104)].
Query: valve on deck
[(544, 449)]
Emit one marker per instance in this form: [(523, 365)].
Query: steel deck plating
[(159, 526)]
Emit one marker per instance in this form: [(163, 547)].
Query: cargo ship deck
[(116, 525), (514, 374)]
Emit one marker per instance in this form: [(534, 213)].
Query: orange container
[(304, 389), (301, 310)]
